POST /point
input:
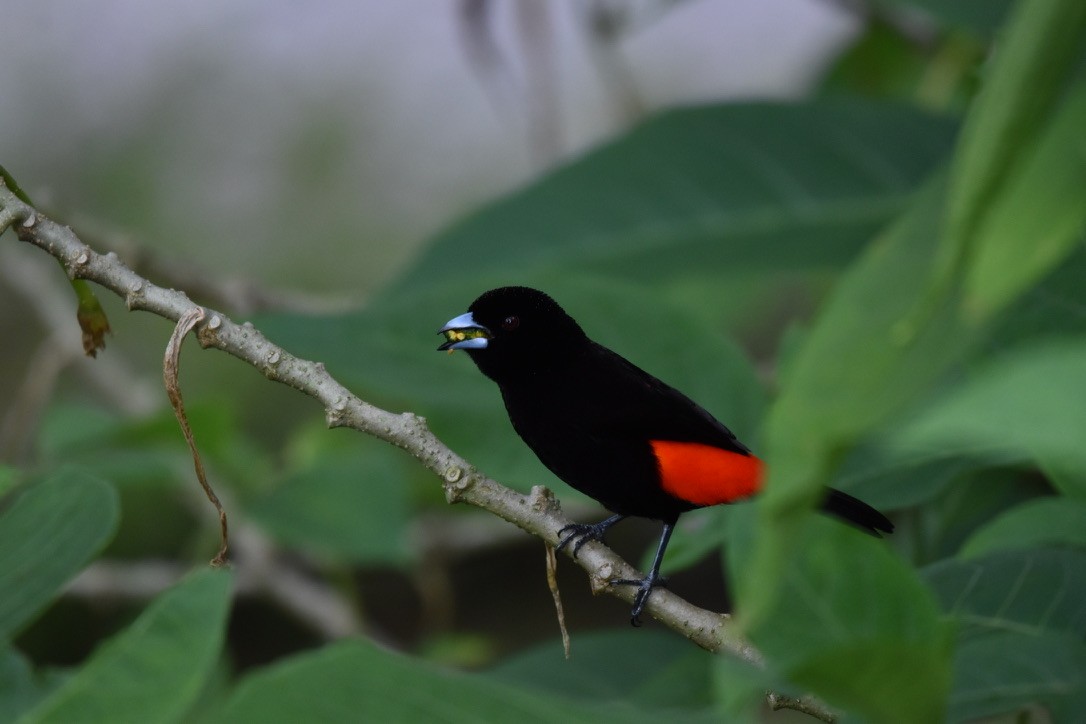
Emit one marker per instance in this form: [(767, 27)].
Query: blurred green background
[(852, 231)]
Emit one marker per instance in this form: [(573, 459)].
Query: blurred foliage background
[(853, 231)]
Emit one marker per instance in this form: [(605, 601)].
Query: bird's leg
[(581, 533), (649, 582)]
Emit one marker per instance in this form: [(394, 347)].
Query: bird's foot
[(644, 588), (580, 533)]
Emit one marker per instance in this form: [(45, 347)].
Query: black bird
[(609, 429)]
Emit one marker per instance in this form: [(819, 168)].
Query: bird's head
[(512, 330)]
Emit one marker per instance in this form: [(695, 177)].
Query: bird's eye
[(510, 323)]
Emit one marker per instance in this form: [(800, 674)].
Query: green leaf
[(1051, 309), (47, 535), (1004, 672), (67, 428), (1040, 49), (1038, 216), (855, 626), (1038, 523), (863, 359), (883, 680), (740, 689), (9, 478), (892, 327), (878, 344), (1029, 591), (974, 499), (1022, 620), (884, 62), (153, 670), (359, 682), (19, 688), (616, 666), (703, 191), (354, 506), (890, 477), (147, 451), (1032, 400)]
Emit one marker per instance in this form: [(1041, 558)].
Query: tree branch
[(538, 513)]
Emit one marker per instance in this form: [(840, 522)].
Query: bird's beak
[(464, 332)]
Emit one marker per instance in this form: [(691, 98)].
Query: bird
[(611, 430)]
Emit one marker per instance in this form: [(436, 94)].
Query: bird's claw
[(644, 588), (579, 534)]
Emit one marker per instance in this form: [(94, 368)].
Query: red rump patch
[(706, 475)]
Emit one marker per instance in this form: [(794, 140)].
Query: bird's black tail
[(856, 512)]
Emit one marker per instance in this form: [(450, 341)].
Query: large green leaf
[(153, 670), (704, 191), (9, 477), (357, 681), (877, 345), (354, 505), (893, 324), (890, 473), (740, 688), (865, 358), (47, 535), (1042, 47), (1029, 591), (651, 668), (885, 62), (883, 680), (855, 626), (1032, 400), (1007, 671), (1038, 217), (20, 689), (940, 530), (149, 450), (1022, 617), (1044, 522), (1053, 308), (889, 476)]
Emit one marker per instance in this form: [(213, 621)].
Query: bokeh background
[(348, 176), (238, 134), (307, 154), (303, 156)]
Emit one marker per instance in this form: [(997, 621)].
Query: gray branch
[(538, 513)]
